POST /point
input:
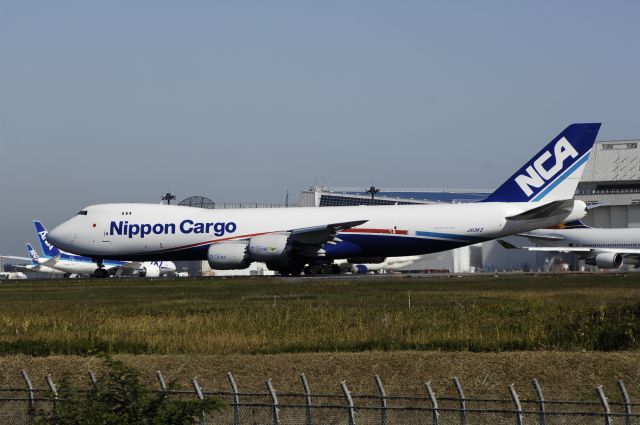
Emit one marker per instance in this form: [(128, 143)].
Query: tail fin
[(33, 254), (553, 174), (48, 250)]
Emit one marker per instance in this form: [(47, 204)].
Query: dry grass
[(563, 375), (488, 331), (228, 316)]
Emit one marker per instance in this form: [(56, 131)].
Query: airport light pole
[(372, 190), (168, 197)]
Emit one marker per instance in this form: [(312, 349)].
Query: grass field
[(272, 315), (570, 331)]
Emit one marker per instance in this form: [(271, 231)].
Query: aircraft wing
[(542, 237), (133, 265), (11, 257), (546, 210), (563, 249), (318, 235)]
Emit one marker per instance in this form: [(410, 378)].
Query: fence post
[(516, 401), (236, 399), (434, 402), (31, 408), (163, 385), (383, 401), (605, 405), (92, 378), (198, 391), (54, 391), (627, 402), (347, 395), (540, 399), (463, 403), (307, 399), (274, 402)]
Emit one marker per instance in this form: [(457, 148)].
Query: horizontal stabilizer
[(547, 210)]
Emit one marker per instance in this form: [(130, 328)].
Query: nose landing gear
[(100, 272)]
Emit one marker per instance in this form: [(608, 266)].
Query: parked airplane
[(605, 248), (70, 264), (538, 195), (35, 265), (387, 264)]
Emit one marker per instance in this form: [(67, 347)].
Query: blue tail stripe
[(562, 177)]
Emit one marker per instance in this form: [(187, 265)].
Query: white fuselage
[(589, 238), (167, 232)]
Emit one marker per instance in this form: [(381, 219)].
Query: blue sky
[(240, 101)]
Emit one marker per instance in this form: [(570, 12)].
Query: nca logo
[(43, 236), (538, 175)]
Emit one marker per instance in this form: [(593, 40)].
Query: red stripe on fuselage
[(379, 231)]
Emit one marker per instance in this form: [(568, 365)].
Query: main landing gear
[(100, 272), (322, 268)]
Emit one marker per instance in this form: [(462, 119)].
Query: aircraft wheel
[(335, 269), (315, 269), (326, 269), (100, 273)]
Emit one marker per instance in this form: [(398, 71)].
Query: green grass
[(232, 316)]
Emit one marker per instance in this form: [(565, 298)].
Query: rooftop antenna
[(168, 197)]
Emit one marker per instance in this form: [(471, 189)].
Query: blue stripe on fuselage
[(352, 245)]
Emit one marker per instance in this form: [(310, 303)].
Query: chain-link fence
[(18, 405)]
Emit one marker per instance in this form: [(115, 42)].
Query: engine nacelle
[(579, 211), (270, 248), (228, 256), (607, 260), (149, 270), (359, 269)]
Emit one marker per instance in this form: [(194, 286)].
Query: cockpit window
[(83, 212)]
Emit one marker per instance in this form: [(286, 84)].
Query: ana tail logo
[(43, 238)]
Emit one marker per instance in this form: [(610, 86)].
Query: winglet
[(554, 172), (48, 250)]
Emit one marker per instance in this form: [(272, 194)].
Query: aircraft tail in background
[(48, 250), (33, 254)]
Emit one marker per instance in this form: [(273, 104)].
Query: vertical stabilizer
[(48, 250), (553, 174), (33, 254)]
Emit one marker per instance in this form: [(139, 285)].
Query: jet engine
[(271, 248), (607, 260), (359, 269), (228, 256), (149, 270)]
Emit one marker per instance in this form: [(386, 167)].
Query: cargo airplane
[(538, 195)]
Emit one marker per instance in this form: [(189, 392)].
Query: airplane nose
[(61, 236)]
